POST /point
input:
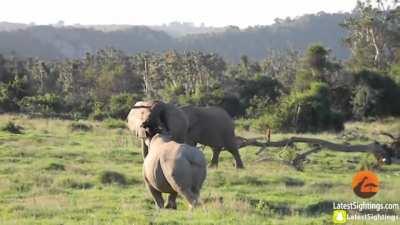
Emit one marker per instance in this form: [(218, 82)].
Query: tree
[(374, 34), (316, 65)]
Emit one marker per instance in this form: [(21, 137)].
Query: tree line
[(288, 90)]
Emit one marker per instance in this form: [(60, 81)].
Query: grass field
[(53, 174)]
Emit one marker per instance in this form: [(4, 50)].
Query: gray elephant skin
[(212, 126), (174, 120), (173, 168)]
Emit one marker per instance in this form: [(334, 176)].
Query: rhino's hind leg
[(191, 197), (171, 204), (157, 196)]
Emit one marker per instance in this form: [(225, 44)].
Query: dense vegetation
[(288, 90)]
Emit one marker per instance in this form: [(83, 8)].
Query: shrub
[(46, 105), (257, 106), (121, 104), (112, 177), (113, 123), (75, 184), (80, 126), (243, 124), (395, 73), (257, 92), (232, 105), (203, 96), (55, 166), (79, 107), (12, 128), (290, 181), (12, 90), (375, 95), (100, 112), (6, 100), (302, 112)]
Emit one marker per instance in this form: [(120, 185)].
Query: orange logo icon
[(365, 184)]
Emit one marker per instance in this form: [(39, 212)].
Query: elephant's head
[(137, 116), (151, 129)]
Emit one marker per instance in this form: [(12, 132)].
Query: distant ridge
[(55, 41)]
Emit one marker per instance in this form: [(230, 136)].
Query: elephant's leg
[(238, 160), (145, 149), (171, 204), (215, 157), (157, 196)]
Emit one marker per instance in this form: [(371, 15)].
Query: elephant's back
[(214, 114), (210, 126)]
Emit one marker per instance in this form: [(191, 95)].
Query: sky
[(218, 13)]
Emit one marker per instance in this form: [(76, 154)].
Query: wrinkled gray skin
[(170, 117), (173, 168), (212, 126)]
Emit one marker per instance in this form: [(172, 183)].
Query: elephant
[(173, 168), (212, 126), (174, 120)]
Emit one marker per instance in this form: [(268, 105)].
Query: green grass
[(50, 174)]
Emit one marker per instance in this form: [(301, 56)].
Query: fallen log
[(383, 153)]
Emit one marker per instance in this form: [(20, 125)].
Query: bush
[(113, 123), (243, 124), (203, 96), (302, 112), (258, 92), (375, 95), (100, 112), (112, 177), (75, 184), (80, 107), (12, 90), (395, 73), (80, 126), (121, 104), (232, 105), (55, 166), (46, 105), (257, 106), (12, 128), (6, 100)]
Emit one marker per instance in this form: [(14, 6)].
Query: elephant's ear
[(158, 115), (134, 123), (130, 121)]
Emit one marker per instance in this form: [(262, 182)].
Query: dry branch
[(383, 153)]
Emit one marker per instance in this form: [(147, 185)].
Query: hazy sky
[(150, 12)]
